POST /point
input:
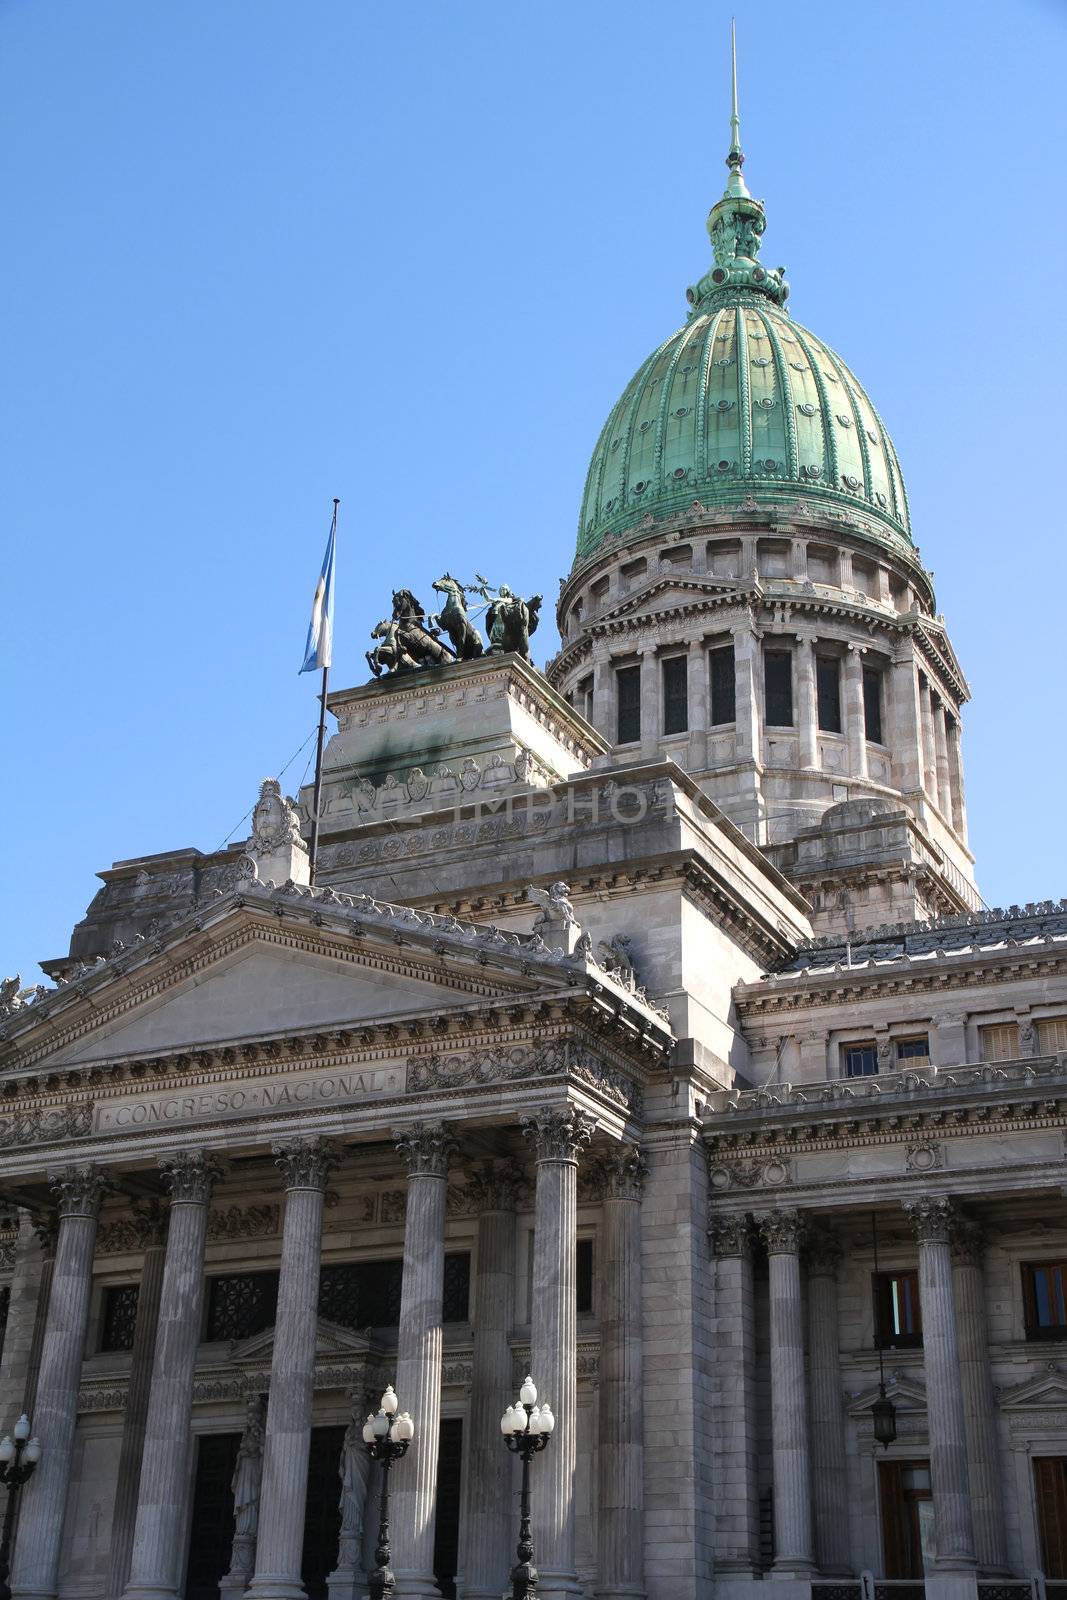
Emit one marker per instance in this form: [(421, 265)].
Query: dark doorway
[(907, 1517), (446, 1527), (212, 1530), (1050, 1481), (322, 1512)]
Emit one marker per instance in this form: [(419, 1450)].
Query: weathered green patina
[(742, 401)]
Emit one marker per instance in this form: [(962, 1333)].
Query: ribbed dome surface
[(741, 402)]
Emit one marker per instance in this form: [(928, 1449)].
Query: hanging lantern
[(884, 1413)]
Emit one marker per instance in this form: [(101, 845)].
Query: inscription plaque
[(243, 1100)]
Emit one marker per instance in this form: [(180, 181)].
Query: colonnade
[(153, 1503)]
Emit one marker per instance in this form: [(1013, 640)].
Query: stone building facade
[(643, 1030)]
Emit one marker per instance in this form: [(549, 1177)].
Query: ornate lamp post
[(18, 1458), (526, 1428), (387, 1437)]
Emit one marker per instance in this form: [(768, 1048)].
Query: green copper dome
[(741, 403)]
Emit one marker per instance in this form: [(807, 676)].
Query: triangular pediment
[(907, 1394), (1046, 1392), (331, 1343), (669, 592)]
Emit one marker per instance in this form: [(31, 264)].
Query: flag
[(318, 652)]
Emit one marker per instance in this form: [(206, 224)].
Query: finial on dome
[(735, 160)]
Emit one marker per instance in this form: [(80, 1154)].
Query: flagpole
[(314, 850)]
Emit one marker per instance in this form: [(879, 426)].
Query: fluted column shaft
[(306, 1165), (36, 1567), (426, 1150), (164, 1488), (781, 1232), (929, 748), (855, 718), (828, 1466), (807, 709), (557, 1136), (944, 786), (488, 1528), (737, 1499), (953, 1526), (621, 1432), (979, 1401), (152, 1223), (28, 1288)]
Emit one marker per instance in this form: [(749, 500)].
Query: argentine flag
[(318, 652)]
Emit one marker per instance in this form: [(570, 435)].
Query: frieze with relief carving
[(47, 1125), (507, 1063)]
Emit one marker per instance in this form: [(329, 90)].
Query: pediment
[(332, 1342), (1046, 1392), (669, 591), (907, 1394)]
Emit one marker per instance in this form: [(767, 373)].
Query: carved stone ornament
[(275, 821), (925, 1155), (243, 1222), (306, 1163), (558, 1135), (79, 1190), (781, 1231), (495, 1186), (34, 1126), (822, 1253), (189, 1176), (968, 1241), (425, 1149), (731, 1236), (931, 1219), (144, 1228), (621, 1173), (246, 1485)]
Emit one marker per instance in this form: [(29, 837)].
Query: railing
[(1029, 1072)]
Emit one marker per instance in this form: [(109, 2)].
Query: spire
[(736, 187)]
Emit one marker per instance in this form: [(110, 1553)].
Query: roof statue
[(410, 641), (509, 620)]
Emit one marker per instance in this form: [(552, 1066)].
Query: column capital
[(968, 1241), (494, 1186), (822, 1253), (306, 1163), (558, 1134), (932, 1218), (730, 1236), (190, 1176), (781, 1231), (620, 1173), (79, 1190), (425, 1148)]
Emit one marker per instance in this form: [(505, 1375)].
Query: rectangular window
[(778, 688), (675, 694), (1045, 1299), (913, 1049), (999, 1041), (723, 708), (897, 1317), (872, 704), (455, 1302), (628, 693), (1051, 1035), (583, 1276), (241, 1304), (585, 698), (828, 692), (860, 1060), (120, 1316), (361, 1294)]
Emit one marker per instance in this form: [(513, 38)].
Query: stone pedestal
[(426, 1150), (781, 1232), (828, 1463), (489, 1523), (306, 1165), (620, 1433), (44, 1499), (734, 1336), (558, 1136), (165, 1481)]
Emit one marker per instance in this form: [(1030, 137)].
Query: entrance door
[(446, 1526), (322, 1512), (907, 1517), (212, 1531), (1050, 1481)]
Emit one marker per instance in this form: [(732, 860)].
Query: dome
[(741, 403)]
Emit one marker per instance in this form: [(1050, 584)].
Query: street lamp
[(18, 1458), (387, 1437), (526, 1428)]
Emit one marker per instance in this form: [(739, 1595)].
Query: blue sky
[(259, 253)]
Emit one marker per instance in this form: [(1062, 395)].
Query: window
[(722, 685), (999, 1041), (583, 1276), (455, 1302), (917, 1049), (828, 691), (778, 688), (1050, 1482), (897, 1318), (675, 694), (241, 1304), (361, 1294), (872, 704), (860, 1060), (120, 1316), (1045, 1299), (1051, 1035), (628, 693), (584, 699)]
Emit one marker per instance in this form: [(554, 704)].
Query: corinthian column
[(828, 1469), (979, 1402), (488, 1523), (807, 711), (782, 1233), (26, 1304), (151, 1223), (425, 1149), (621, 1433), (855, 716), (737, 1499), (558, 1136), (165, 1486), (44, 1499), (306, 1165), (953, 1526)]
